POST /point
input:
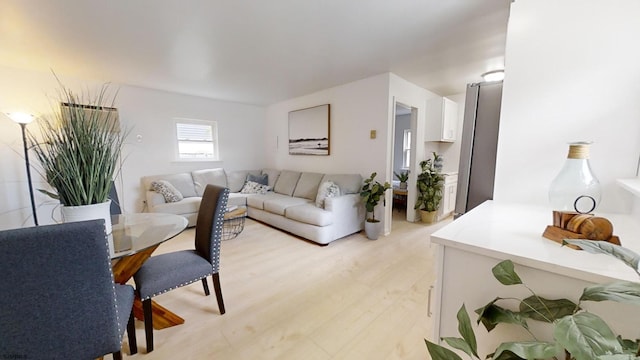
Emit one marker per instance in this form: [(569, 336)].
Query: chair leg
[(205, 285), (148, 324), (218, 289), (131, 334), (117, 355)]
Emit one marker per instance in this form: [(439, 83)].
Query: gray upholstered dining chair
[(59, 300), (162, 273)]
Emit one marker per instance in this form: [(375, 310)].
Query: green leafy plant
[(79, 147), (430, 183), (402, 176), (372, 191), (581, 335)]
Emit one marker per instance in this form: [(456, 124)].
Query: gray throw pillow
[(168, 191), (260, 179), (327, 189)]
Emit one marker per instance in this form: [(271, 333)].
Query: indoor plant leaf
[(618, 357), (526, 350), (541, 309), (491, 315), (505, 355), (438, 352), (505, 273), (620, 291), (628, 346), (629, 257), (465, 329), (586, 336), (459, 343)]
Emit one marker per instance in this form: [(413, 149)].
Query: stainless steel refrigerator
[(479, 143)]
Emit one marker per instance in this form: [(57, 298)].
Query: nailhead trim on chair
[(176, 287), (113, 286)]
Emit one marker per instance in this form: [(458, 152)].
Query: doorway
[(404, 137)]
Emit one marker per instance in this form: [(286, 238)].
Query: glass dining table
[(132, 240)]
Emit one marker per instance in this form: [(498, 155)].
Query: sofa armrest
[(154, 199), (348, 212)]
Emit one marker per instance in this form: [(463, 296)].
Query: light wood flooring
[(290, 299)]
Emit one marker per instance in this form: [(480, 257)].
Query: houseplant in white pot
[(372, 192), (79, 148), (429, 183)]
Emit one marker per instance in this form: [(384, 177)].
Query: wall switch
[(372, 134)]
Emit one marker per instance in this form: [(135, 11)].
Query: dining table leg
[(124, 269)]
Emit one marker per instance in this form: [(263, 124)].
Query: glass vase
[(576, 188)]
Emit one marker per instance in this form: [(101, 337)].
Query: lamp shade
[(20, 117)]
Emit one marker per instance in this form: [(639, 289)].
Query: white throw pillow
[(327, 189), (252, 187), (168, 191)]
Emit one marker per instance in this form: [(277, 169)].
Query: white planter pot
[(372, 229), (88, 212)]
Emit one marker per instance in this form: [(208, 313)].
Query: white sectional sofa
[(290, 205)]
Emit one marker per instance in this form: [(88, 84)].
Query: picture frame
[(309, 131)]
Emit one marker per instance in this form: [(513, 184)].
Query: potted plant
[(79, 149), (430, 183), (371, 193), (403, 176)]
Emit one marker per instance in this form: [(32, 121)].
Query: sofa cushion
[(272, 176), (168, 191), (181, 181), (236, 179), (286, 183), (309, 214), (188, 205), (257, 201), (237, 199), (307, 186), (348, 183), (326, 190), (279, 205), (201, 178)]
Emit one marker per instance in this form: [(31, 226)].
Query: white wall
[(148, 112), (572, 73)]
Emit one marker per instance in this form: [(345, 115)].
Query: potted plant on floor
[(402, 176), (429, 183), (79, 148), (371, 193)]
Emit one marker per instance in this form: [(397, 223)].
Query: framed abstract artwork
[(309, 131)]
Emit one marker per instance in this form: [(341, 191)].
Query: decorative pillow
[(170, 193), (260, 179), (252, 187), (327, 189)]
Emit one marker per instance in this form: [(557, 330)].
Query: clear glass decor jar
[(576, 188)]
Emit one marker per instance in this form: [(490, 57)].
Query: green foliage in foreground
[(580, 335), (79, 148)]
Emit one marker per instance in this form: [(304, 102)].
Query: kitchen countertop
[(514, 231)]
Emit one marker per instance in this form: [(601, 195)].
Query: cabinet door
[(449, 120), (441, 120)]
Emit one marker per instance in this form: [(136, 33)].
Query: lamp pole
[(23, 120)]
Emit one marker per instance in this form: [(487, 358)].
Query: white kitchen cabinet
[(475, 242), (449, 189), (441, 120)]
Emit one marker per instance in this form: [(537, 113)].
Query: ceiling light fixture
[(495, 75)]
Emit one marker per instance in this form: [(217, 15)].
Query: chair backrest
[(209, 223), (57, 292)]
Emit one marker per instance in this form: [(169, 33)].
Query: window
[(406, 149), (197, 140)]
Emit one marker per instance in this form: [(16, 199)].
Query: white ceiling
[(258, 52)]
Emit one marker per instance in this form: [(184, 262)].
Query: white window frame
[(214, 139), (406, 149)]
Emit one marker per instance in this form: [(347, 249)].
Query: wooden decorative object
[(572, 225)]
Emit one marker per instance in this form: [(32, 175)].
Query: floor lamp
[(23, 119)]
